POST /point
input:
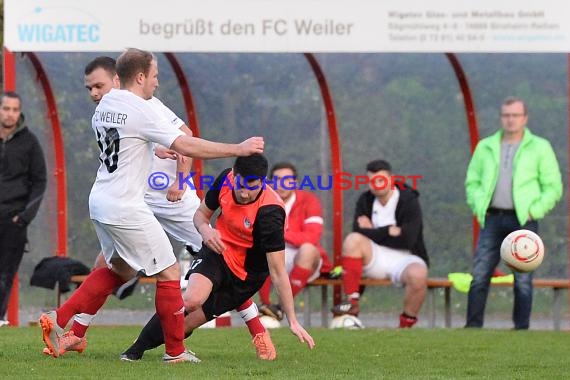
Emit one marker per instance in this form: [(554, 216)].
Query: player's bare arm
[(183, 167), (210, 236), (364, 222), (165, 153), (280, 279), (200, 148)]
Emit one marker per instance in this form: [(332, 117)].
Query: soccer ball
[(522, 251), (269, 322), (346, 321)]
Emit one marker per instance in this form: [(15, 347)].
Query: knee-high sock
[(351, 277), (299, 278), (90, 296), (250, 315), (80, 324), (265, 292), (170, 310), (151, 336)]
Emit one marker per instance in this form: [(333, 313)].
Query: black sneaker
[(131, 355), (346, 308), (127, 288), (272, 310)]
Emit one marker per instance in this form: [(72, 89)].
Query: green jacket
[(537, 183)]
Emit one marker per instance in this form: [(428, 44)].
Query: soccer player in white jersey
[(174, 208), (132, 239)]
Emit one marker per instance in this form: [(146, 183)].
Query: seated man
[(386, 243), (305, 259)]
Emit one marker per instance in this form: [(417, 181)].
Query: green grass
[(340, 354)]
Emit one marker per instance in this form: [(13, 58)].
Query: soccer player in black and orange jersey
[(246, 245)]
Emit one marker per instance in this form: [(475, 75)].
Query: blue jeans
[(487, 257)]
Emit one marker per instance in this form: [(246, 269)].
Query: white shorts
[(178, 222), (389, 263), (182, 232), (290, 253), (145, 247)]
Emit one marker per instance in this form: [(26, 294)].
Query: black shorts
[(229, 292)]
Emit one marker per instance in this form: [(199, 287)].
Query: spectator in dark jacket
[(386, 243), (22, 186)]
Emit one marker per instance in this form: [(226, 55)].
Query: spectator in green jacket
[(513, 180)]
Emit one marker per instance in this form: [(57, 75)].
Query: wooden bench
[(557, 285), (433, 284)]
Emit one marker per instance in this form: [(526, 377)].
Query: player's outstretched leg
[(150, 337)]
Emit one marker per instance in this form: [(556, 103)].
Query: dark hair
[(377, 165), (11, 94), (513, 99), (251, 167), (131, 62), (284, 165), (106, 63)]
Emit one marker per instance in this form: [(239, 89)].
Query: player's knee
[(100, 261), (191, 302), (308, 255), (308, 249), (353, 243), (416, 276)]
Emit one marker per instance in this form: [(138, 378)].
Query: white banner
[(288, 25)]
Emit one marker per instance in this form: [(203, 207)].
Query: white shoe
[(4, 322), (186, 356), (51, 332)]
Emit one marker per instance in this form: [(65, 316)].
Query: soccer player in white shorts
[(173, 204), (132, 240)]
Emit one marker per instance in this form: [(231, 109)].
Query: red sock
[(265, 292), (298, 279), (79, 330), (251, 318), (170, 310), (352, 272), (90, 296)]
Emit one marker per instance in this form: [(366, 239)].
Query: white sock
[(249, 313), (84, 319)]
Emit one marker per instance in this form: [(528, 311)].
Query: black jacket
[(55, 269), (22, 174), (408, 218)]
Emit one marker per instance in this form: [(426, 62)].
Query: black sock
[(150, 336)]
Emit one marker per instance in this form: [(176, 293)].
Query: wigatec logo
[(61, 25)]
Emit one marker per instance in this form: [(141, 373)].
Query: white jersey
[(385, 215), (125, 126), (176, 218), (157, 198)]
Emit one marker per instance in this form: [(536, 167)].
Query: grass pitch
[(339, 354)]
